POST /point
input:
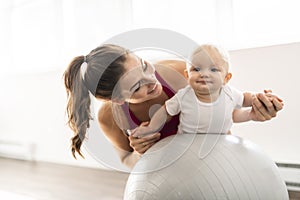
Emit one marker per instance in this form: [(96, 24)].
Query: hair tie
[(83, 68)]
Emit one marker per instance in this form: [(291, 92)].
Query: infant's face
[(208, 71)]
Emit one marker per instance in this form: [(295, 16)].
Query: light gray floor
[(23, 180), (46, 181)]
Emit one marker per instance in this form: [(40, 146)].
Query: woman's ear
[(227, 78), (186, 73)]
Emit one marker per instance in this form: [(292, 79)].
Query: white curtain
[(44, 35), (265, 23)]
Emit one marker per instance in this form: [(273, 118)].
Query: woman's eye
[(137, 88)]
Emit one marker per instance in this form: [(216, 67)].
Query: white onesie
[(200, 117)]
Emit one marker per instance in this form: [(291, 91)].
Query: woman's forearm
[(129, 159)]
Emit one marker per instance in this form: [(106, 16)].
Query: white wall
[(32, 115), (32, 107), (276, 68)]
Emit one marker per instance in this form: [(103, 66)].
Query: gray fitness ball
[(232, 168)]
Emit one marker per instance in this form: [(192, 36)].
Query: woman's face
[(138, 84)]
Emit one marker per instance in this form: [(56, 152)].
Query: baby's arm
[(243, 115), (157, 121), (248, 99)]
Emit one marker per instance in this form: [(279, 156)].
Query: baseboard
[(17, 150), (291, 175)]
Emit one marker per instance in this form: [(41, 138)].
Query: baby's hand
[(142, 131), (141, 145)]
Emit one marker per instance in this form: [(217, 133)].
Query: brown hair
[(105, 65)]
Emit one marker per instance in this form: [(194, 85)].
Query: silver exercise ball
[(194, 166)]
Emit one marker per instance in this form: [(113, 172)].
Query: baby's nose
[(204, 73)]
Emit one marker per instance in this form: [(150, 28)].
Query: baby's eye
[(196, 69), (214, 69)]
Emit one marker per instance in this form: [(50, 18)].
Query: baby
[(207, 104)]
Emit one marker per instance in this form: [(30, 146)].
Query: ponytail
[(105, 66), (78, 104)]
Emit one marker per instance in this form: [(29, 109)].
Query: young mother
[(130, 87)]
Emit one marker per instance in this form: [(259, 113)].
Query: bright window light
[(264, 23), (40, 36)]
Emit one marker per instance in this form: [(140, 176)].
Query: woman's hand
[(265, 106), (141, 145)]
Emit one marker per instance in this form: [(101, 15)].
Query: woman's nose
[(149, 77), (148, 81)]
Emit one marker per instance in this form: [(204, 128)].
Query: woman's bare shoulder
[(110, 128), (172, 71), (105, 114), (178, 65)]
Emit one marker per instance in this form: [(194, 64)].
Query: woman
[(130, 88)]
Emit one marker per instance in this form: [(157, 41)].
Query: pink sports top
[(170, 128)]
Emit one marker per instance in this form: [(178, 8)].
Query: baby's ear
[(227, 78), (186, 73)]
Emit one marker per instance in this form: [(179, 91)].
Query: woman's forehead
[(132, 61), (133, 67), (133, 73)]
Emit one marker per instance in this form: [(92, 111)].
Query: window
[(45, 35)]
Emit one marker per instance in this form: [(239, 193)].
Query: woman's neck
[(141, 110)]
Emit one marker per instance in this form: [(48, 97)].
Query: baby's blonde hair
[(214, 52)]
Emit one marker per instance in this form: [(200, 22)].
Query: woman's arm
[(264, 107), (157, 121), (172, 71), (129, 159), (111, 129), (129, 148), (177, 65)]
